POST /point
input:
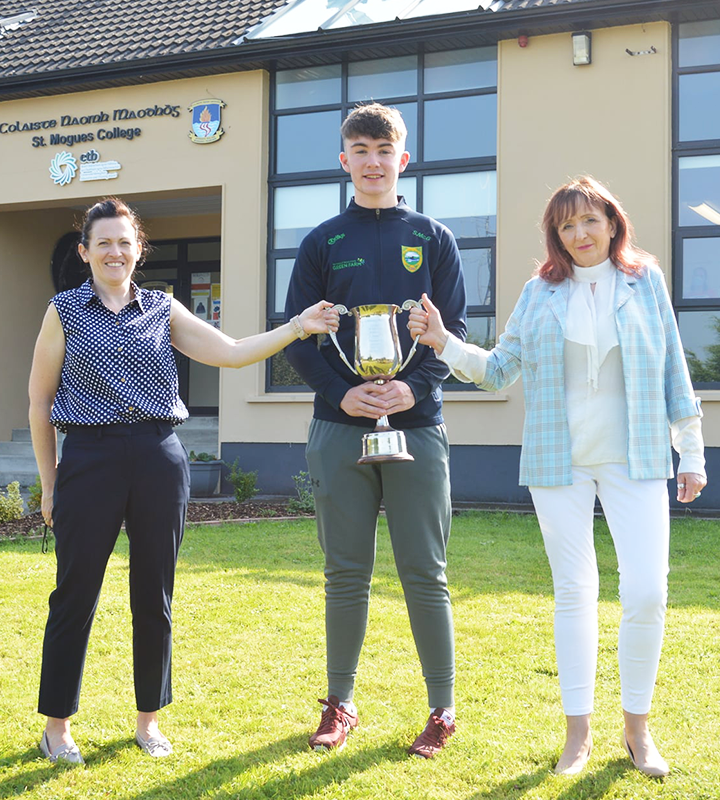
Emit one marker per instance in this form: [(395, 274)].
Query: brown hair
[(376, 121), (108, 208), (565, 202)]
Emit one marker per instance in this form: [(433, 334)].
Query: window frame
[(418, 169), (680, 234)]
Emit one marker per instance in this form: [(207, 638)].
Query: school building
[(220, 122)]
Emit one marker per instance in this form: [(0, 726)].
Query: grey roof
[(82, 33), (82, 44)]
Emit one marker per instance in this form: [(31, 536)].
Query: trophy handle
[(341, 309), (406, 306)]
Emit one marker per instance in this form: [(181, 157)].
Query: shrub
[(193, 456), (11, 504), (305, 504), (35, 500), (244, 482)]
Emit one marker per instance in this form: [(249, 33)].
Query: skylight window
[(305, 16), (13, 22), (300, 16), (428, 8), (366, 12)]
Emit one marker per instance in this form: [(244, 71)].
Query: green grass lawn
[(249, 667)]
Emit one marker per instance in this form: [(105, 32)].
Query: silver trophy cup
[(378, 358)]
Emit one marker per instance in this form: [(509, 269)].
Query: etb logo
[(90, 157)]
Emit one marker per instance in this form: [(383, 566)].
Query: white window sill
[(709, 395)]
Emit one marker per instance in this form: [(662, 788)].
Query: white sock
[(348, 705)]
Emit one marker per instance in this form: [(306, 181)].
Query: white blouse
[(594, 383)]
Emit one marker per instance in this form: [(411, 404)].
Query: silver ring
[(681, 485)]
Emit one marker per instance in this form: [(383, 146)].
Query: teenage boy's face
[(374, 166)]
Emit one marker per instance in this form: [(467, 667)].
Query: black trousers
[(138, 473)]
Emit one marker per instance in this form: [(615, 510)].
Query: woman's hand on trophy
[(428, 325), (320, 318)]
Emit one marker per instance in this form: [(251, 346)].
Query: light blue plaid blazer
[(657, 383)]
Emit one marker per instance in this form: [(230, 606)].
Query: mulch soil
[(28, 525), (223, 510), (198, 511)]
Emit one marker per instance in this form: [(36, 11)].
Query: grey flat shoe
[(155, 746), (68, 752)]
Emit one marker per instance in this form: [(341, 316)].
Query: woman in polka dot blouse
[(104, 373)]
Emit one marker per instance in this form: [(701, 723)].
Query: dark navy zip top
[(365, 256)]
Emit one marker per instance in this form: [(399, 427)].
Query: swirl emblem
[(63, 168)]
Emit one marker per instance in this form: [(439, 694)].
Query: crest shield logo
[(206, 120), (412, 258)]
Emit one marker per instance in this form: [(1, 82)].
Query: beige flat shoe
[(68, 752), (657, 769)]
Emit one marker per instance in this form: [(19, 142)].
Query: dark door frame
[(181, 291)]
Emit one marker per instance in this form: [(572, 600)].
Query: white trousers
[(638, 515)]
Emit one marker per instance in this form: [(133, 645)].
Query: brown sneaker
[(432, 740), (335, 724)]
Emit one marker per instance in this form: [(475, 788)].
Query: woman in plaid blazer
[(607, 390)]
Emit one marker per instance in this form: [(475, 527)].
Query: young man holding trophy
[(373, 260)]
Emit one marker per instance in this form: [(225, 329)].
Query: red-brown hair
[(565, 203)]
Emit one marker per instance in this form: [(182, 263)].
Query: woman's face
[(113, 250), (586, 236)]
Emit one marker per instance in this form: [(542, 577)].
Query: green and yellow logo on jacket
[(412, 258)]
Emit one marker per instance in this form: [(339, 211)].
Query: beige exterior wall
[(26, 287), (610, 119)]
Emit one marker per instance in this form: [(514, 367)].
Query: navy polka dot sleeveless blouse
[(118, 368)]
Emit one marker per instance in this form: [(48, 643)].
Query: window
[(449, 102), (696, 286)]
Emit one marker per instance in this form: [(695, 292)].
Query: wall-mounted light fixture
[(581, 42)]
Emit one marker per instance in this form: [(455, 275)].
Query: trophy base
[(384, 445)]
